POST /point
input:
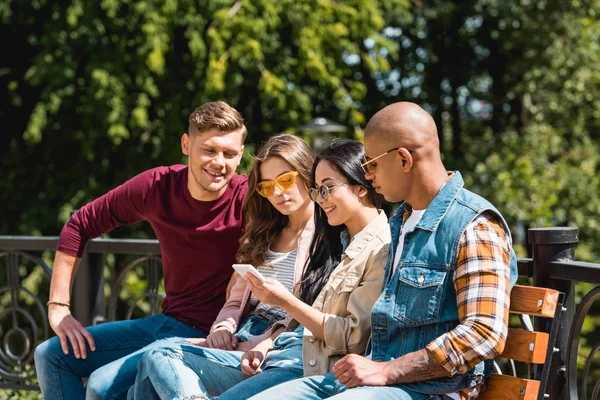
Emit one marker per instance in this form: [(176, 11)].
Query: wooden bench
[(528, 346)]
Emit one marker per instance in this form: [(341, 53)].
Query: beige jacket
[(238, 292), (347, 300)]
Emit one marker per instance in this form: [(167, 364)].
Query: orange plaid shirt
[(481, 281)]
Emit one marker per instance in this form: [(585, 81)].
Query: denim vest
[(418, 302)]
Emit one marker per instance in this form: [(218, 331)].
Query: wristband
[(58, 303)]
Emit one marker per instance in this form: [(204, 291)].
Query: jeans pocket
[(419, 294)]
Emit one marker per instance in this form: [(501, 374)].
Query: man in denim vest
[(443, 313)]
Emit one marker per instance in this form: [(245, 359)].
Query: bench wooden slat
[(537, 301), (504, 387), (523, 345), (518, 346)]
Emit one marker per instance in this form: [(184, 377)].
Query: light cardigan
[(346, 300), (237, 307)]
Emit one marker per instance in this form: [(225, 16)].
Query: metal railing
[(24, 322), (23, 315)]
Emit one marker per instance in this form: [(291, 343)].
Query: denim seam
[(113, 347), (57, 379)]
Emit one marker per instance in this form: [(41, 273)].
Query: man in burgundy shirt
[(196, 213)]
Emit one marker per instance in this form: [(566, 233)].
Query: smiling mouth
[(214, 174), (328, 210)]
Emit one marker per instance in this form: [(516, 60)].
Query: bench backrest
[(534, 348)]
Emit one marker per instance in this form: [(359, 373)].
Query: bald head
[(404, 124), (413, 172)]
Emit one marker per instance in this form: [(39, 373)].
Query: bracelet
[(58, 303)]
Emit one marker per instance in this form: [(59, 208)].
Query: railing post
[(555, 244), (88, 290)]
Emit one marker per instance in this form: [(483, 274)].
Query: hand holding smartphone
[(243, 269)]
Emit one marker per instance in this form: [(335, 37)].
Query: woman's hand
[(253, 359), (271, 291), (221, 338), (251, 362), (197, 341), (245, 346)]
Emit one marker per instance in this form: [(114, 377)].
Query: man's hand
[(271, 291), (354, 370), (221, 338), (67, 327)]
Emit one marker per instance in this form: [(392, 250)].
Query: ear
[(241, 154), (406, 159), (186, 144), (362, 192)]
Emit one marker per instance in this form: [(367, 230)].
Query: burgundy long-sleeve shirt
[(198, 239)]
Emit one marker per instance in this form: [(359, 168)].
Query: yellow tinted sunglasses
[(285, 181)]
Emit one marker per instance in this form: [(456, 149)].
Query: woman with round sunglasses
[(342, 281), (277, 236)]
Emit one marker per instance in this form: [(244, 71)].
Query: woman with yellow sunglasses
[(276, 239)]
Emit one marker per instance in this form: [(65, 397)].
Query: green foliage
[(514, 88), (543, 168), (106, 87), (6, 394)]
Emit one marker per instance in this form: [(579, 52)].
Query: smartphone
[(243, 269)]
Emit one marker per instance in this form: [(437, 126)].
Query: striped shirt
[(281, 269), (481, 282)]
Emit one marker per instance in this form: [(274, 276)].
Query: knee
[(158, 356), (47, 352), (162, 352), (98, 386), (156, 360)]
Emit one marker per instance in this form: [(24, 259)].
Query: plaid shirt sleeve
[(481, 281)]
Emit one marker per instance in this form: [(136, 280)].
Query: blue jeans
[(112, 367), (257, 322), (326, 386), (181, 371)]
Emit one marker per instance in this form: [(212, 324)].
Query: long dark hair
[(263, 222), (326, 248)]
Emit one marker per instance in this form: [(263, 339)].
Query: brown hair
[(216, 114), (263, 221)]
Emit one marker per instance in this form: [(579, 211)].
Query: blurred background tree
[(99, 91), (95, 92)]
